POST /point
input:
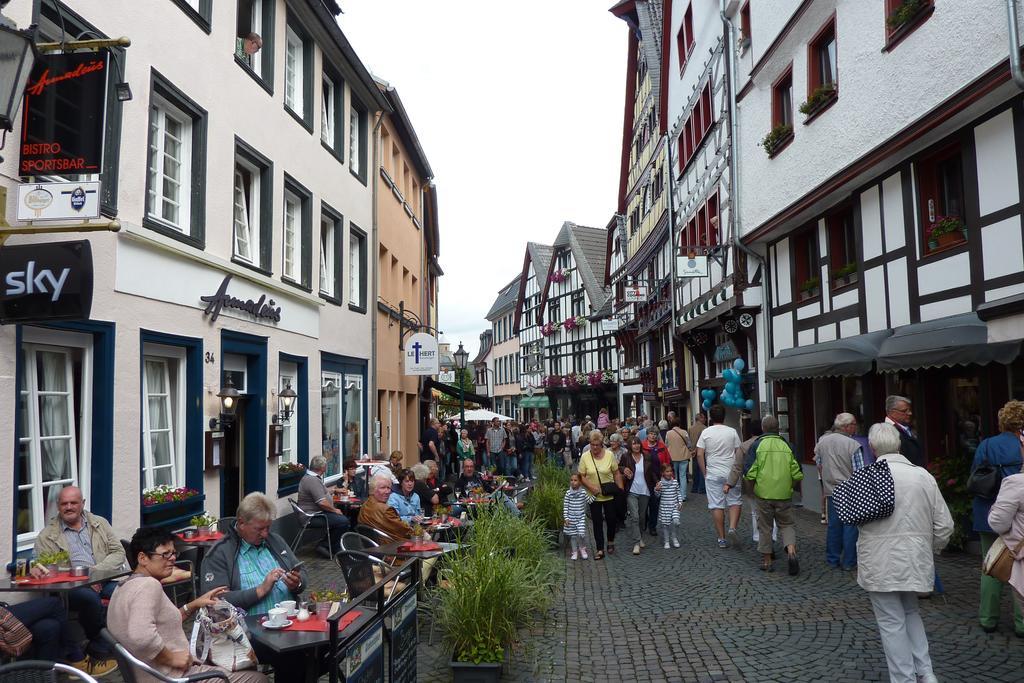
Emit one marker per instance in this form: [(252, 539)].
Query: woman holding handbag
[(996, 457), (147, 623), (602, 478), (1006, 518)]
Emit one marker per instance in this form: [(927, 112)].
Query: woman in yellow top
[(597, 467)]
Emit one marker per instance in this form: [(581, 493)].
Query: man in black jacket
[(899, 414), (556, 443)]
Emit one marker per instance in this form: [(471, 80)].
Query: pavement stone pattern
[(702, 614)]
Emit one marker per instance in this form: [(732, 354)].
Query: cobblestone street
[(704, 614)]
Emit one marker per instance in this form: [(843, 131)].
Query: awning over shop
[(849, 357), (453, 391), (956, 340), (538, 401)]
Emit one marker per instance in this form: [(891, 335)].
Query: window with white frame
[(54, 425), (354, 143), (327, 111), (289, 374), (331, 390), (330, 229), (170, 165), (163, 410), (292, 236), (247, 212), (356, 276), (293, 71)]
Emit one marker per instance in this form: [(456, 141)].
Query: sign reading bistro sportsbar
[(65, 100)]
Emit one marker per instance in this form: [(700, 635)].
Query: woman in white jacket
[(895, 558)]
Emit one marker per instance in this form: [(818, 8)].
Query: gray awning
[(849, 357), (956, 340)]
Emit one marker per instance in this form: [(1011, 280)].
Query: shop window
[(842, 248), (331, 122), (941, 195), (53, 433), (357, 140), (289, 375), (298, 74), (163, 410), (685, 39), (807, 280), (175, 182), (356, 269), (331, 388), (256, 17), (252, 198), (331, 233)]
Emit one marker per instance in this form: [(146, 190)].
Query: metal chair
[(374, 534), (224, 524), (129, 666), (357, 568), (188, 559), (305, 519), (37, 671)]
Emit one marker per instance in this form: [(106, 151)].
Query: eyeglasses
[(167, 554)]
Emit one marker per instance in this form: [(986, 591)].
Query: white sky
[(518, 106)]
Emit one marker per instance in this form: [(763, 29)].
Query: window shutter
[(307, 243)]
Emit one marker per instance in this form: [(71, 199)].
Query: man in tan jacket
[(678, 441), (88, 540)]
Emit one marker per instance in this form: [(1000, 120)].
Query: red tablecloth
[(53, 578), (316, 624), (418, 546), (202, 537)]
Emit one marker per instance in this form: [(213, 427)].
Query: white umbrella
[(484, 415)]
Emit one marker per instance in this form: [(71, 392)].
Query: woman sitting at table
[(429, 497), (144, 619), (353, 479), (405, 500)]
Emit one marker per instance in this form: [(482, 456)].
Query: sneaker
[(794, 565), (667, 546), (675, 542), (722, 543), (583, 552), (927, 678), (573, 556), (636, 549), (98, 668), (642, 544), (733, 538)]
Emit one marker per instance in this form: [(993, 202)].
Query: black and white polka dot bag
[(866, 496)]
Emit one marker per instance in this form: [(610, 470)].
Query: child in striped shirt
[(671, 504), (574, 510)]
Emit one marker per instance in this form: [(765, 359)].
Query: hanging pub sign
[(40, 282), (65, 101), (421, 355)]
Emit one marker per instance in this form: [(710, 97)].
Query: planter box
[(809, 293), (845, 280), (288, 483), (174, 512), (467, 672)]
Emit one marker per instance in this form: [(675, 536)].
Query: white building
[(246, 175), (527, 326), (843, 192), (504, 363)]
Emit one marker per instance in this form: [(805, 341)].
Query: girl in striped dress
[(668, 511), (574, 510)]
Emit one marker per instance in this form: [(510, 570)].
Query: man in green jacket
[(774, 472)]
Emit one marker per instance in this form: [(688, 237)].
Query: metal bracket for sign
[(6, 229), (94, 45), (715, 253), (409, 323)]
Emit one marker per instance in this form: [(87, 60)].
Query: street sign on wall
[(421, 355), (58, 201), (636, 294), (40, 282)]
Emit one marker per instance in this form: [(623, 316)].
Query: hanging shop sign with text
[(692, 266), (58, 201), (635, 294), (40, 282), (263, 309), (65, 101), (421, 355)]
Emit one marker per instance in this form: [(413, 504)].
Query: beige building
[(407, 272), (503, 363)]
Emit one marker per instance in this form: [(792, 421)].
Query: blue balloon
[(749, 404), (708, 394), (732, 387), (739, 364), (728, 375), (706, 405)]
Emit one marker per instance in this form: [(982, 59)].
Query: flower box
[(468, 672), (173, 512), (806, 294)]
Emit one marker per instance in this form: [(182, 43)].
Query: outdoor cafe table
[(309, 642), (63, 587), (391, 550)]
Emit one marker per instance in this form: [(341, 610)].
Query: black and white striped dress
[(574, 510), (668, 512)]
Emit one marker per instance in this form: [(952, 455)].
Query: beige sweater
[(145, 621)]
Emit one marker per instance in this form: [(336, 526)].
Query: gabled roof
[(506, 299), (589, 248), (485, 347), (540, 256)]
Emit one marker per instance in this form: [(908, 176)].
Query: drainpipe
[(372, 303), (1015, 67), (734, 216)]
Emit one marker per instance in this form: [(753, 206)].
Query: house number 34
[(208, 358)]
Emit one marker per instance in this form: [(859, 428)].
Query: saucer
[(277, 627)]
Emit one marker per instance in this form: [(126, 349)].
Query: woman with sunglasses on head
[(143, 619)]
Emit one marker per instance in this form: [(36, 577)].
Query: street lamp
[(228, 396), (461, 357), (17, 55)]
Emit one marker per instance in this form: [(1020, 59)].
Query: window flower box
[(558, 276), (289, 474), (946, 231), (173, 513), (905, 13), (810, 288), (776, 139), (846, 275), (822, 97)]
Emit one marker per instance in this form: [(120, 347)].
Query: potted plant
[(845, 275), (558, 276), (205, 522), (56, 562), (904, 12), (289, 473), (946, 230), (777, 137), (821, 96), (810, 288)]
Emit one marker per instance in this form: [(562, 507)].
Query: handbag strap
[(596, 470)]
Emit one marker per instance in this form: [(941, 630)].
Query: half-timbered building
[(527, 325)]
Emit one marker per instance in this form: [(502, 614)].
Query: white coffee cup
[(277, 616), (288, 606)]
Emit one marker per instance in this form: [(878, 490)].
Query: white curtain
[(51, 369)]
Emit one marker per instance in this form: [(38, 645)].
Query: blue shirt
[(254, 563), (1003, 451), (79, 542), (407, 508)]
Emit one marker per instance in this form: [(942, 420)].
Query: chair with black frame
[(131, 666), (373, 534), (224, 524), (352, 540), (37, 671), (187, 560), (357, 568), (306, 523)]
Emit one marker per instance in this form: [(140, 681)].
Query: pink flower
[(951, 482)]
